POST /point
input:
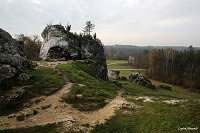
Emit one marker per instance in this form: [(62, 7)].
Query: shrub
[(31, 45)]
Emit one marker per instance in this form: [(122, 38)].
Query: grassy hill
[(153, 117), (94, 90), (156, 116)]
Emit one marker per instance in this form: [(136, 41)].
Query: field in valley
[(118, 65)]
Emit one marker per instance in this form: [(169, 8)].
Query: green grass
[(120, 64), (44, 81), (133, 89), (156, 117), (116, 61), (179, 91), (48, 128), (127, 72), (94, 92)]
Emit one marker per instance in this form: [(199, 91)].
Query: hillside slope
[(88, 103), (92, 108)]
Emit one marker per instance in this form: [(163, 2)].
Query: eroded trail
[(62, 112)]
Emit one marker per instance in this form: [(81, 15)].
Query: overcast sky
[(130, 22)]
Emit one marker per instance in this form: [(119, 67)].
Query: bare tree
[(169, 54)]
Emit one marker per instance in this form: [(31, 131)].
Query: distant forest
[(122, 52), (175, 65)]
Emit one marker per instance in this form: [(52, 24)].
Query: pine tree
[(88, 28)]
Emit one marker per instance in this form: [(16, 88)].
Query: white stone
[(54, 41), (174, 102)]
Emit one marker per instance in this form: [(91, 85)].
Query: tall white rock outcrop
[(60, 44)]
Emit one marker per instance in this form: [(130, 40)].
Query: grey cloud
[(137, 22)]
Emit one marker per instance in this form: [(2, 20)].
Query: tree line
[(122, 52), (176, 67)]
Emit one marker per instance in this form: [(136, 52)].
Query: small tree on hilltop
[(88, 28), (68, 27)]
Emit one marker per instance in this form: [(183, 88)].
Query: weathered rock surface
[(12, 96), (113, 74), (129, 106), (174, 102), (145, 99), (12, 57), (23, 77), (60, 44), (134, 76), (141, 80)]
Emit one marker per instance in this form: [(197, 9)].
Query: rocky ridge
[(141, 80), (60, 44), (12, 56)]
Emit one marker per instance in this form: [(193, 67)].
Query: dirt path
[(61, 111)]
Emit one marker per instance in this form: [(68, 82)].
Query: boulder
[(145, 99), (141, 80), (60, 44), (70, 122), (134, 76), (79, 96), (113, 74), (31, 113), (12, 57), (174, 102), (129, 105), (23, 78), (12, 96)]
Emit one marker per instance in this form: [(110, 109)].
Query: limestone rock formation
[(113, 74), (60, 44), (145, 99), (12, 57), (141, 80), (129, 106), (174, 102)]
